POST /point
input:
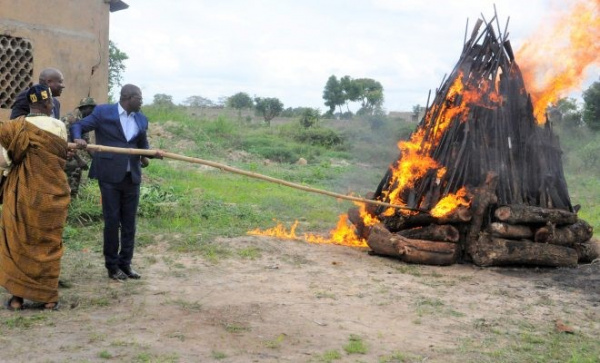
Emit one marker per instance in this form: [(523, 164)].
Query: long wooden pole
[(150, 152)]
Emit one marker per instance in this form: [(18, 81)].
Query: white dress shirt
[(130, 127)]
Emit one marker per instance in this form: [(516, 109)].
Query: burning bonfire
[(481, 177)]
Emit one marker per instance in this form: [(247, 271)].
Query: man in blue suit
[(119, 175)]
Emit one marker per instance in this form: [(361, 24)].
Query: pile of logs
[(520, 211)]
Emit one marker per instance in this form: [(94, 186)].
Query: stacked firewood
[(484, 138)]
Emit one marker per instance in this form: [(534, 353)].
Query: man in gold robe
[(35, 195)]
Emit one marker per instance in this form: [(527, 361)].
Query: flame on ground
[(553, 61), (278, 231), (343, 234)]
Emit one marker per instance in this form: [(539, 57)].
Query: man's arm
[(87, 124)]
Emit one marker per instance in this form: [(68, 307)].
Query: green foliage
[(333, 94), (116, 65), (86, 208), (319, 136), (365, 90), (156, 199), (240, 101), (198, 102), (309, 117), (298, 111), (355, 345), (24, 321), (163, 100), (269, 108), (591, 108), (371, 94), (566, 114)]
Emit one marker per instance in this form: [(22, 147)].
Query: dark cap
[(38, 93), (87, 101)]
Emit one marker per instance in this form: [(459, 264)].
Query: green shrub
[(87, 207), (156, 200), (319, 136)]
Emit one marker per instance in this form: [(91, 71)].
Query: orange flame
[(450, 203), (415, 161), (278, 231), (553, 62), (342, 235)]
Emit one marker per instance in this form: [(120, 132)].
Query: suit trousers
[(119, 208)]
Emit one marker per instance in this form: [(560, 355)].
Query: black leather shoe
[(117, 275), (131, 273)]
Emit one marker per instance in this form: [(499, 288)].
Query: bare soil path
[(287, 301)]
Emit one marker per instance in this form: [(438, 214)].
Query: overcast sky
[(288, 49)]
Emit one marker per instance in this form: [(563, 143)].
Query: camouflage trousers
[(74, 173)]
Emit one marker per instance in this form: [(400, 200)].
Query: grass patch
[(25, 321), (250, 253), (218, 355), (329, 356), (355, 345)]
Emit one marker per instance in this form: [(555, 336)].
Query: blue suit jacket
[(105, 122)]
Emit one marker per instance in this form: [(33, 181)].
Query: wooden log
[(483, 196), (569, 235), (432, 232), (525, 214), (362, 231), (399, 222), (383, 242), (510, 231), (491, 251), (588, 251)]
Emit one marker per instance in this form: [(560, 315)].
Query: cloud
[(288, 49)]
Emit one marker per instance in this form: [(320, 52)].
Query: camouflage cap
[(87, 101)]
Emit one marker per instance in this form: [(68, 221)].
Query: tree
[(565, 113), (268, 108), (366, 90), (417, 109), (591, 107), (240, 101), (116, 66), (333, 94), (198, 101), (351, 90), (309, 117), (371, 94), (163, 100)]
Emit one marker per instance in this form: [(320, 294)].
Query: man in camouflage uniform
[(79, 162)]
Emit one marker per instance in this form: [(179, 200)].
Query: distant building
[(70, 35)]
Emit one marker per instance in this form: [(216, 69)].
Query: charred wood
[(399, 222), (483, 197), (588, 251), (433, 232), (382, 242), (569, 235), (491, 251), (510, 231), (523, 214)]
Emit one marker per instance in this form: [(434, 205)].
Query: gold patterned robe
[(35, 197)]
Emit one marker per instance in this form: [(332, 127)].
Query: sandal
[(9, 303), (51, 306)]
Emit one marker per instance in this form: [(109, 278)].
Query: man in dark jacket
[(51, 77), (119, 175)]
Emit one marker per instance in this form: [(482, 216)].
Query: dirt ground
[(287, 301)]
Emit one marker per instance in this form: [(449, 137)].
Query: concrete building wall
[(70, 35)]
